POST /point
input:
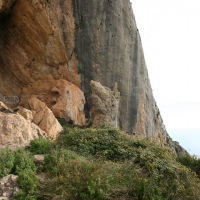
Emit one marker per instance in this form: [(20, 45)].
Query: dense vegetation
[(102, 164), (20, 162)]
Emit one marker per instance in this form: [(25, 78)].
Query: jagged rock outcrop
[(44, 118), (105, 105), (8, 187), (179, 149), (53, 49)]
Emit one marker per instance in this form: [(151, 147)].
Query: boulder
[(44, 118), (65, 99), (16, 131), (39, 158), (69, 102), (8, 187)]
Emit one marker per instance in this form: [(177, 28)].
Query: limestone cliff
[(37, 56), (54, 49)]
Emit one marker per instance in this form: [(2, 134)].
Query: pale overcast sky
[(170, 33)]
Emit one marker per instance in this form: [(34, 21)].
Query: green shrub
[(115, 167), (56, 158), (163, 177), (23, 160), (94, 189), (28, 183), (76, 179), (25, 168), (20, 162), (103, 164), (6, 161), (87, 180), (108, 143), (191, 162), (40, 146)]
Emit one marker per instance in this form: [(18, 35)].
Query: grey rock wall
[(109, 50)]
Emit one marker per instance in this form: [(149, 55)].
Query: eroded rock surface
[(65, 99), (8, 187), (105, 105), (68, 102), (16, 131), (44, 118), (18, 128), (37, 47), (27, 114)]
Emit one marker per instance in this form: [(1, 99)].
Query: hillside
[(101, 164)]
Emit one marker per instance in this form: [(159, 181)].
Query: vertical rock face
[(36, 46), (53, 49), (109, 50), (37, 55)]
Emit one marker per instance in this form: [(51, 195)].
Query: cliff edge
[(54, 50)]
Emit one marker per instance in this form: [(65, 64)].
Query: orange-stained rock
[(69, 102), (37, 42), (37, 55), (65, 99), (16, 131), (44, 118)]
